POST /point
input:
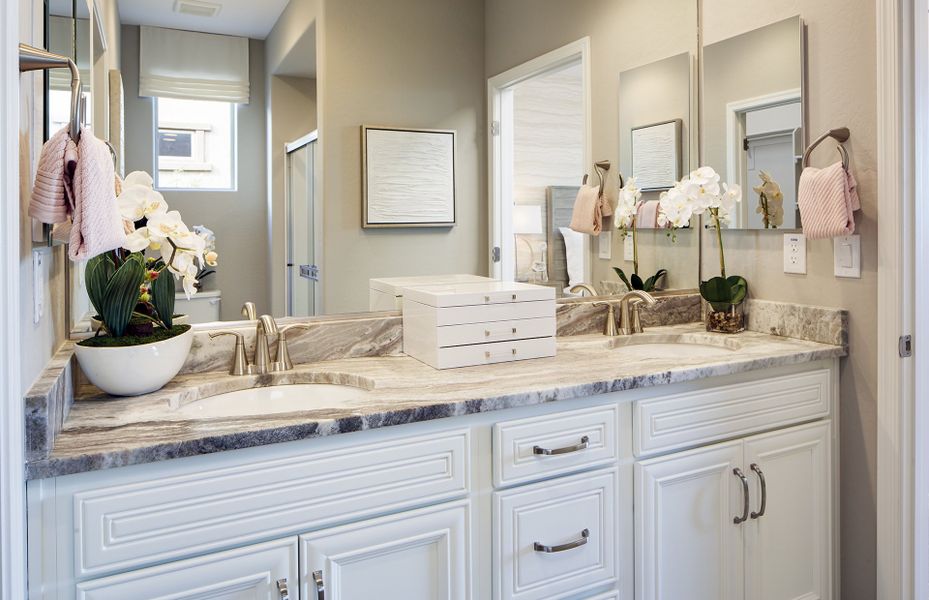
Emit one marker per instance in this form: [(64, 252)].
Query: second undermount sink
[(274, 399), (659, 346)]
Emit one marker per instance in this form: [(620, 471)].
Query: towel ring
[(840, 135), (601, 167)]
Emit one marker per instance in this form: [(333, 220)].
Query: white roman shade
[(193, 66)]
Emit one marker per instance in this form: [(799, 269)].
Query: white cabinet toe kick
[(718, 489)]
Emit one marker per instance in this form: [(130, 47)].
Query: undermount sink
[(658, 346), (274, 399)]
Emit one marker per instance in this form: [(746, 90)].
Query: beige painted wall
[(519, 30), (238, 217), (291, 115), (296, 19), (433, 77), (842, 81)]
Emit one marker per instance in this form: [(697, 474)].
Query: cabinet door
[(789, 547), (417, 555), (264, 571), (687, 544)]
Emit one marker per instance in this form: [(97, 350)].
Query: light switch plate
[(628, 249), (847, 256), (795, 253), (606, 245), (38, 284)]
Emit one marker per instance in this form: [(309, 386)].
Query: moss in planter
[(158, 335)]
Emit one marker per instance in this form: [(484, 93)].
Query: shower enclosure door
[(303, 280)]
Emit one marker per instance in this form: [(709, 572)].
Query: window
[(195, 144)]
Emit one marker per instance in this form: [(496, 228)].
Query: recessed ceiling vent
[(197, 8)]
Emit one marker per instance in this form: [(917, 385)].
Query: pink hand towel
[(647, 215), (97, 226), (828, 199), (50, 201), (588, 213)]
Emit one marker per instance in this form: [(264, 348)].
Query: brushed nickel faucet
[(609, 325), (266, 327), (629, 320)]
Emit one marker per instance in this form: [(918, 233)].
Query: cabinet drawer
[(251, 572), (556, 538), (497, 331), (560, 439), (488, 354), (695, 418), (458, 315), (126, 526)]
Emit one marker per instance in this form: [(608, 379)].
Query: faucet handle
[(250, 311), (609, 327), (239, 360), (283, 362)]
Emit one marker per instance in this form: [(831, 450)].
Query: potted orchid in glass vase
[(702, 193), (625, 219), (139, 346)]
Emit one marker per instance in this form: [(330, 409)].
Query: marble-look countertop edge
[(208, 444)]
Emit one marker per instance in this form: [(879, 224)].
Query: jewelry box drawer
[(497, 331), (556, 538), (489, 354), (526, 450)]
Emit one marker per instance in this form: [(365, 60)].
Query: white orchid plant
[(702, 193), (129, 287), (625, 220)]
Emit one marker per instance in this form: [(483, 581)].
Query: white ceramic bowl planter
[(134, 370)]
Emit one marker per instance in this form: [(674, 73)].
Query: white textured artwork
[(656, 155), (409, 178)]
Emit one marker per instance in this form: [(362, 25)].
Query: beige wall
[(291, 115), (842, 81), (622, 35), (433, 77), (237, 217)]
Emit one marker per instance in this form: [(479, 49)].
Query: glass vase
[(731, 320)]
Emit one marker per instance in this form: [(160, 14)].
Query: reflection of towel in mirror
[(589, 209), (50, 193), (828, 199), (97, 226), (647, 215)]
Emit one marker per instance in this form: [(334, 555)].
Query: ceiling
[(247, 18)]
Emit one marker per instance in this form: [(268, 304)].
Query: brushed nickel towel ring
[(36, 59), (840, 135)]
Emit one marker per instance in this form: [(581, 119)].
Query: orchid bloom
[(628, 205)]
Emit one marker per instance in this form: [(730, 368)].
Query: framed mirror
[(753, 106), (250, 124)]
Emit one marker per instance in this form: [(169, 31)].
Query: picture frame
[(408, 177), (657, 155)]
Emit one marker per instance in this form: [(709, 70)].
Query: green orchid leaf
[(162, 290), (652, 281), (738, 288), (622, 276), (120, 296), (637, 283), (723, 293)]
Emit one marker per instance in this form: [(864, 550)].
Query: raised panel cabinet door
[(687, 543), (260, 572), (788, 541), (417, 555)]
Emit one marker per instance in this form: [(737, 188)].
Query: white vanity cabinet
[(747, 519), (618, 496)]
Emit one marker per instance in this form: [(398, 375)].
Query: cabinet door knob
[(764, 491), (585, 443), (320, 586), (282, 591), (738, 473), (581, 541)]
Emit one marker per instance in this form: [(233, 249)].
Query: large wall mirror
[(753, 108), (250, 120)]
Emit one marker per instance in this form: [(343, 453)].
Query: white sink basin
[(274, 399), (646, 347)]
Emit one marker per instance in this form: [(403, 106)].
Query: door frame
[(501, 234), (289, 147), (902, 422), (12, 500)]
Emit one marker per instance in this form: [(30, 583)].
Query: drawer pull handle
[(585, 443), (486, 298), (320, 586), (764, 491), (581, 541), (488, 355), (738, 473), (488, 333), (282, 590)]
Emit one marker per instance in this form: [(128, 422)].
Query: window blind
[(193, 66)]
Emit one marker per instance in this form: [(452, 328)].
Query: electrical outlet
[(795, 253), (606, 245), (628, 249), (39, 278), (847, 255)]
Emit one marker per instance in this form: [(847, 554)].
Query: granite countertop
[(103, 432)]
